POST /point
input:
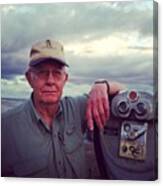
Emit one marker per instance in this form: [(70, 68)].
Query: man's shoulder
[(14, 112), (74, 99), (74, 108)]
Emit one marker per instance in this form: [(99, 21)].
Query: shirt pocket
[(32, 167), (75, 152), (73, 139)]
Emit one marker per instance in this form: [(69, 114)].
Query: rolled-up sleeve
[(81, 102)]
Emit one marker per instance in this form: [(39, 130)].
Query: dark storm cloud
[(24, 24), (11, 66), (69, 21), (130, 69)]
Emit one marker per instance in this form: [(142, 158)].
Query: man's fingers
[(101, 112), (93, 115), (90, 124), (97, 109), (97, 117), (89, 117), (106, 107)]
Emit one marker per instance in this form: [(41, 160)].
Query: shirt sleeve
[(81, 102)]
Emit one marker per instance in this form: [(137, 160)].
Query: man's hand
[(98, 109)]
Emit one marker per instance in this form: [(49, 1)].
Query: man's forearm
[(115, 87), (98, 107), (112, 87)]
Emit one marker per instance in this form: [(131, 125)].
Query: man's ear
[(66, 77), (29, 78)]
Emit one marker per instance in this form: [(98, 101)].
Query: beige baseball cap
[(47, 50)]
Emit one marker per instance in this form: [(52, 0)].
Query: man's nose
[(50, 78)]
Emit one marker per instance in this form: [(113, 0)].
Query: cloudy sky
[(111, 40)]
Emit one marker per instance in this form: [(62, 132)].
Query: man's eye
[(46, 73), (58, 73), (42, 73)]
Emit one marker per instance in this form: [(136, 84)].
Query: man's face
[(47, 80)]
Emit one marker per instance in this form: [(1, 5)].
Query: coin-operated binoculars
[(127, 147)]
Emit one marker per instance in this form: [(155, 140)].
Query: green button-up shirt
[(31, 149)]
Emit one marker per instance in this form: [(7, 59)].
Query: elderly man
[(44, 136)]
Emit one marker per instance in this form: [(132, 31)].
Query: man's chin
[(50, 100)]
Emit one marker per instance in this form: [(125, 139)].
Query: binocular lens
[(123, 107), (141, 108)]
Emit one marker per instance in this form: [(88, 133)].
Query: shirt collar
[(37, 115)]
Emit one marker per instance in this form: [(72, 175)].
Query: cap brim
[(43, 60)]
